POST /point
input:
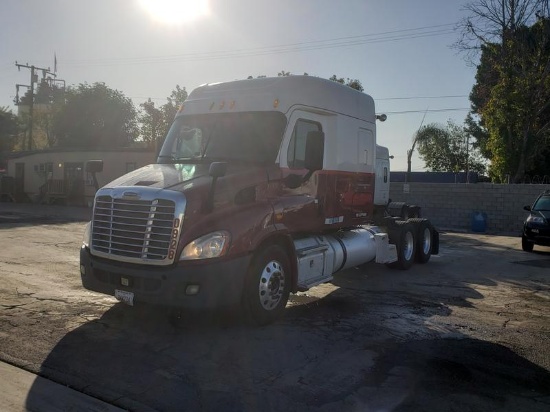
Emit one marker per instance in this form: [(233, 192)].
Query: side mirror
[(528, 208), (217, 169), (315, 147), (94, 166)]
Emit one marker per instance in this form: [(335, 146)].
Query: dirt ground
[(469, 331)]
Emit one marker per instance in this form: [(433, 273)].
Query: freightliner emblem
[(131, 195)]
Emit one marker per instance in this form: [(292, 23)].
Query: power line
[(238, 54), (350, 41), (423, 97), (452, 109)]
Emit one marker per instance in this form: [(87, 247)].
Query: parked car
[(536, 228)]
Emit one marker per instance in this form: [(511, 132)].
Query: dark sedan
[(536, 228)]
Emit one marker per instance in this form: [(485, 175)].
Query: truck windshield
[(243, 136)]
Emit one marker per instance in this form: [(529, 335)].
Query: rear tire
[(526, 245), (424, 236), (403, 236), (398, 209), (267, 286)]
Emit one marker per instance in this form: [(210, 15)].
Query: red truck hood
[(162, 176), (183, 177)]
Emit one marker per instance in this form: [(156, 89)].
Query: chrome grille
[(133, 229)]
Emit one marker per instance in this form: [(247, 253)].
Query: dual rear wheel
[(413, 240)]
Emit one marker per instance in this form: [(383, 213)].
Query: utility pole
[(468, 158), (34, 79), (17, 86)]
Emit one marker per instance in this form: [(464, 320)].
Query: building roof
[(25, 153)]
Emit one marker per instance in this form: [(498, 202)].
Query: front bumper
[(538, 234), (220, 283)]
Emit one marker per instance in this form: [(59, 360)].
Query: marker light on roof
[(232, 104), (222, 104), (275, 103)]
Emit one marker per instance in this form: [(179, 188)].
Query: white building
[(60, 174)]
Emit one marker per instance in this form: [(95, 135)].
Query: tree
[(493, 21), (171, 107), (447, 149), (282, 73), (155, 122), (511, 97), (151, 123), (96, 117), (353, 83), (47, 99), (9, 129), (47, 92)]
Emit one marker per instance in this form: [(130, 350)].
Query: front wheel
[(267, 286), (526, 245)]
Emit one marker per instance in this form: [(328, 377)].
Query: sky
[(400, 50)]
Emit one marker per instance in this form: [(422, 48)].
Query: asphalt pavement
[(22, 212), (51, 397), (17, 382)]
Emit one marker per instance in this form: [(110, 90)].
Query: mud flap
[(435, 242)]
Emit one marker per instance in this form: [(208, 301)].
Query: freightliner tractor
[(262, 188)]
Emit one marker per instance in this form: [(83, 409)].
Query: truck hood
[(161, 176), (181, 177)]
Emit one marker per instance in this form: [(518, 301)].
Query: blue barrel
[(479, 222)]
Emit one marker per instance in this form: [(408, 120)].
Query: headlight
[(212, 245), (535, 219), (86, 238)]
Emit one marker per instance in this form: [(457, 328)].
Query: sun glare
[(175, 11)]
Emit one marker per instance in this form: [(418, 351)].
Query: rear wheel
[(267, 286), (424, 235), (526, 245), (398, 209), (403, 236)]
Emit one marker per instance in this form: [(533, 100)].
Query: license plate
[(125, 297)]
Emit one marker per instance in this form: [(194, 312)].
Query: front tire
[(267, 286), (526, 245)]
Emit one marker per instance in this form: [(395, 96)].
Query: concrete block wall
[(452, 205)]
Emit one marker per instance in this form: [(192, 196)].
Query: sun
[(175, 11)]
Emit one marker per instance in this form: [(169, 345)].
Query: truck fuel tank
[(319, 257)]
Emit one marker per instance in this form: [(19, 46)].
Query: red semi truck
[(262, 188)]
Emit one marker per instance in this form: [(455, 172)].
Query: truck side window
[(297, 147), (385, 175)]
